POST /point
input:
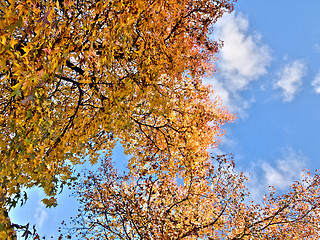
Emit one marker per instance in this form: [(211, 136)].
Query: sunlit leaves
[(76, 76), (212, 204)]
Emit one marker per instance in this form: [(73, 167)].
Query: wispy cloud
[(242, 60), (227, 142), (280, 175), (285, 171), (316, 83), (40, 215), (290, 79)]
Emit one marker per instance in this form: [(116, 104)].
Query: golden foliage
[(210, 205), (76, 76)]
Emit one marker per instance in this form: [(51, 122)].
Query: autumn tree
[(210, 203), (77, 76)]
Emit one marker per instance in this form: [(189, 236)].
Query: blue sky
[(270, 77)]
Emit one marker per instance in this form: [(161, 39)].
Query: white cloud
[(316, 83), (280, 175), (290, 79), (285, 172), (40, 215), (223, 93), (242, 60)]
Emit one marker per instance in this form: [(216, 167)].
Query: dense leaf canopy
[(78, 76)]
